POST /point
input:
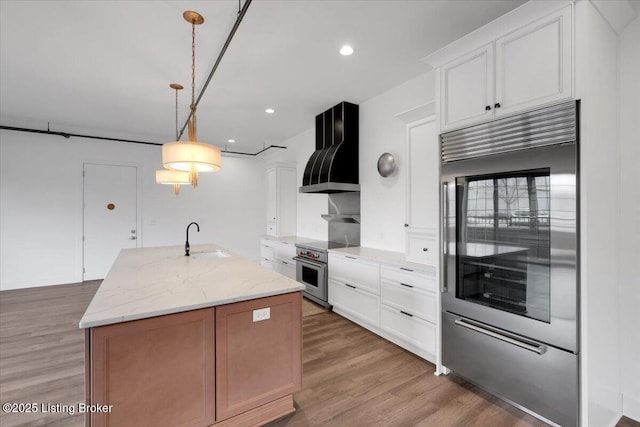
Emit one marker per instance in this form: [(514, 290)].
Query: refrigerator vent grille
[(557, 124)]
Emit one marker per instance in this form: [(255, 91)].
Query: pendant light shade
[(192, 156), (183, 156), (170, 177)]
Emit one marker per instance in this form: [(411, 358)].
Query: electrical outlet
[(261, 314)]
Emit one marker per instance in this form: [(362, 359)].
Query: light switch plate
[(261, 314)]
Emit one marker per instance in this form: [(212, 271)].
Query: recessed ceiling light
[(346, 50), (269, 111), (231, 140)]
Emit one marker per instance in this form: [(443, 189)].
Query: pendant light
[(173, 177), (192, 156)]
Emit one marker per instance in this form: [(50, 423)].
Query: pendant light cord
[(177, 136)]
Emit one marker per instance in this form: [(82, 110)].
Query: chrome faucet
[(186, 245)]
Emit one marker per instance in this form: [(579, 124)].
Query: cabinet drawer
[(361, 274), (412, 330), (411, 300), (288, 269), (266, 252), (355, 302), (411, 278), (266, 264), (422, 249), (284, 252)]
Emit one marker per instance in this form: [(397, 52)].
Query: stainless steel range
[(312, 269)]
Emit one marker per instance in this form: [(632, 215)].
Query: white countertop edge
[(173, 310), (385, 257)]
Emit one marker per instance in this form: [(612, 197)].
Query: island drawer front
[(412, 330), (244, 380), (409, 277), (355, 302), (413, 301), (163, 392), (362, 274)]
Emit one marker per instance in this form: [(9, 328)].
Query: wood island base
[(229, 365)]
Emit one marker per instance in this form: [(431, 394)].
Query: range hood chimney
[(333, 167)]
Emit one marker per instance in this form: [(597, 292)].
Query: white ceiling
[(103, 67)]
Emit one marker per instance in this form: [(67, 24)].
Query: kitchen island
[(192, 341)]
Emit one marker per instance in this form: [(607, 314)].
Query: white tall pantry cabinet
[(281, 199), (539, 54)]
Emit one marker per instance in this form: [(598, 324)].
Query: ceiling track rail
[(68, 135), (241, 13)]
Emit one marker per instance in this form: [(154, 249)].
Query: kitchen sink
[(214, 254)]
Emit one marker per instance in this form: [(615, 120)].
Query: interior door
[(109, 216)]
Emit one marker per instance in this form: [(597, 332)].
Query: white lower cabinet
[(278, 256), (287, 268), (361, 306), (411, 330), (397, 303)]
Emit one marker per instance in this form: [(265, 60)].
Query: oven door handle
[(536, 348), (309, 262)]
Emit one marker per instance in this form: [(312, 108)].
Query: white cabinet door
[(533, 64), (281, 201), (467, 89), (286, 210), (272, 184), (422, 175)]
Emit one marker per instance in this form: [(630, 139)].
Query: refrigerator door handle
[(445, 241), (536, 348)]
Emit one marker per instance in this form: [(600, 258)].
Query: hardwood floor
[(351, 377)]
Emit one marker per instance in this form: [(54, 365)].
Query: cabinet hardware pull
[(487, 108), (497, 105), (425, 249), (406, 225), (405, 269), (346, 284), (350, 257), (408, 286), (406, 314)]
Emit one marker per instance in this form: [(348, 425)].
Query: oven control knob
[(314, 256)]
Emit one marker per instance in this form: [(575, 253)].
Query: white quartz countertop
[(397, 259), (151, 282)]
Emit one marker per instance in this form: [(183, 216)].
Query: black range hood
[(333, 167)]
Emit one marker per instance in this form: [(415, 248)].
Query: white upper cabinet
[(281, 200), (467, 89), (533, 64), (528, 67)]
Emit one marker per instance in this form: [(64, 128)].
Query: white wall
[(382, 199), (597, 87), (629, 247), (41, 199)]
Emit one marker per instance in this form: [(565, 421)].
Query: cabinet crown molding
[(497, 28), (419, 112)]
